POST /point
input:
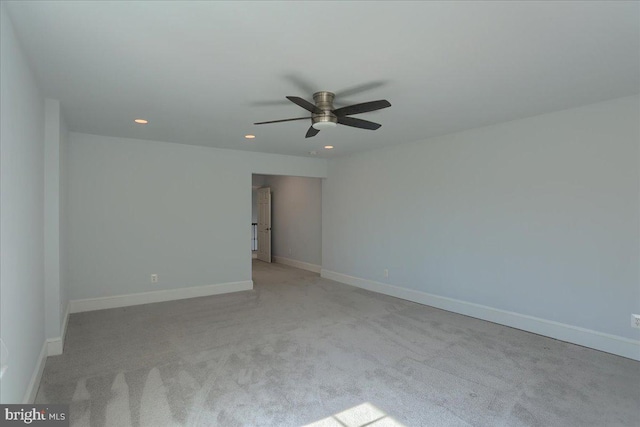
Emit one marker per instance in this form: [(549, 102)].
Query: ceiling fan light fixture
[(324, 125)]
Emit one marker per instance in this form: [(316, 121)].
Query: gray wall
[(63, 223), (21, 215), (296, 206), (55, 278), (536, 216), (183, 212)]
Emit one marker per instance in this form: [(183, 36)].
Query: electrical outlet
[(386, 273), (635, 321), (289, 251), (154, 278)]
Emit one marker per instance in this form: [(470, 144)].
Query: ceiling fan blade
[(304, 85), (283, 120), (364, 107), (311, 132), (360, 88), (304, 104), (266, 103), (358, 123)]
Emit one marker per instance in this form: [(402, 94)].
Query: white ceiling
[(203, 72)]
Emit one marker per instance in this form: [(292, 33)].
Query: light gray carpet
[(299, 349)]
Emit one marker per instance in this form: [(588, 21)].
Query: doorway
[(287, 213)]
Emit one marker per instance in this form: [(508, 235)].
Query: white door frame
[(264, 224)]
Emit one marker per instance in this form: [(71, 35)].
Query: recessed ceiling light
[(141, 121), (328, 147), (250, 136)]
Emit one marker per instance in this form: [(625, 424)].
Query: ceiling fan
[(324, 116)]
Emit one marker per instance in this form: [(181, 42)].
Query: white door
[(264, 224)]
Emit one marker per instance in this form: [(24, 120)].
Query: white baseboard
[(254, 255), (614, 344), (55, 346), (34, 383), (297, 264), (90, 304)]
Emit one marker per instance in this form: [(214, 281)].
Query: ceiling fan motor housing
[(324, 101)]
